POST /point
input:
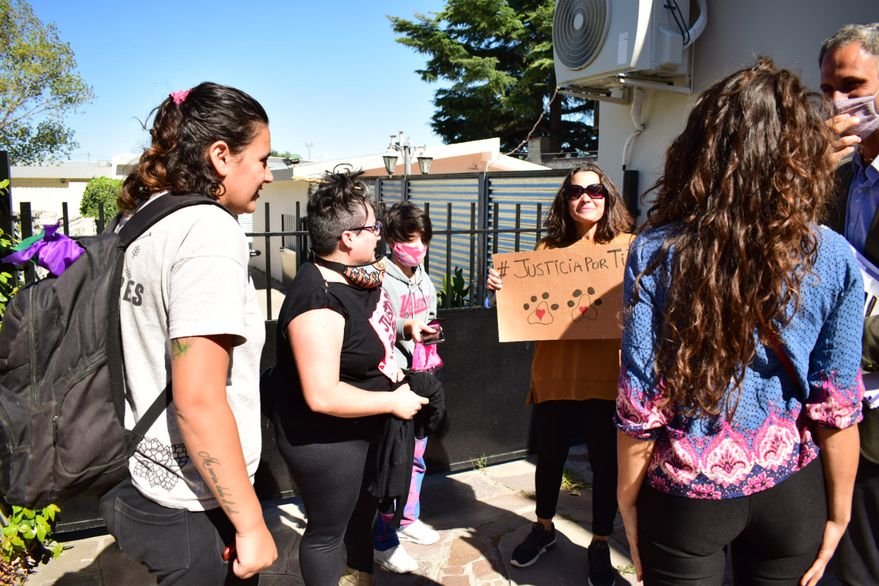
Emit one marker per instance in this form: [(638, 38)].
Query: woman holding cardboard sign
[(573, 382)]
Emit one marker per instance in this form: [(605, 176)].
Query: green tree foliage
[(496, 56), (100, 191), (38, 87), (285, 155)]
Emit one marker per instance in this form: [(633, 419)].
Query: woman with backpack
[(190, 318)]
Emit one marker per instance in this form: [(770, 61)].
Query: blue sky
[(329, 74)]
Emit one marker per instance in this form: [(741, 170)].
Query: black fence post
[(484, 223), (301, 242), (449, 274), (6, 210), (101, 218), (5, 195), (65, 218), (426, 207), (517, 238), (474, 291), (27, 230), (268, 248), (539, 222)]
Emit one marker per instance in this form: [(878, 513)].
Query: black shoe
[(600, 570), (537, 542)]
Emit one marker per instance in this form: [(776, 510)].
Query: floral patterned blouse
[(769, 436)]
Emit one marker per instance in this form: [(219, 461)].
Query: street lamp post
[(401, 145)]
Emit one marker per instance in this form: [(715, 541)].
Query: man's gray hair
[(867, 35)]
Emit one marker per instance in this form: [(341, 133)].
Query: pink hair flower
[(180, 96)]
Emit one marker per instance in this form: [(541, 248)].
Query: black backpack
[(62, 388)]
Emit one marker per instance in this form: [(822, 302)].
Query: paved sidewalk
[(481, 514)]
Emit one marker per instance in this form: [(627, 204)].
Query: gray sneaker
[(537, 542)]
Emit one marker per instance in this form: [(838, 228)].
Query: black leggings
[(330, 478), (556, 423), (774, 534)]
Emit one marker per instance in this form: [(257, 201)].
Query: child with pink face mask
[(413, 297)]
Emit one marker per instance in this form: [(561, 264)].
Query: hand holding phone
[(436, 337)]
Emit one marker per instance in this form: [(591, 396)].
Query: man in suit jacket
[(849, 62)]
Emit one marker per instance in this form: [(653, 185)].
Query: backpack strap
[(137, 225), (157, 209)]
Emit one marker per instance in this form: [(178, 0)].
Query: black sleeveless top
[(366, 361)]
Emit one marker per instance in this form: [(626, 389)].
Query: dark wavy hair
[(177, 159), (562, 229), (743, 187), (340, 203)]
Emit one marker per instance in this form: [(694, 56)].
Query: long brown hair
[(562, 229), (742, 189)]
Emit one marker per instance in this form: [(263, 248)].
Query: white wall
[(46, 199), (281, 197), (788, 31)]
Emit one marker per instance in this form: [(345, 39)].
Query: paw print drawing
[(542, 309), (582, 305)]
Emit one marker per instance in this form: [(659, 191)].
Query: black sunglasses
[(593, 190)]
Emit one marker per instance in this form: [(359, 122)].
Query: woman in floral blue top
[(741, 348)]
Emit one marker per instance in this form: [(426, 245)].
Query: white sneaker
[(396, 560), (418, 532)]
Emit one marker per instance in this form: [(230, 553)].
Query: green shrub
[(26, 540), (453, 292), (100, 191)]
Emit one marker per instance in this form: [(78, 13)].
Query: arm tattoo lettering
[(225, 497)]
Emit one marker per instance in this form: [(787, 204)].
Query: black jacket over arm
[(396, 447)]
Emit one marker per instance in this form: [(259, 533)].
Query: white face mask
[(865, 110)]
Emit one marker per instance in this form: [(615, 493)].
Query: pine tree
[(496, 56)]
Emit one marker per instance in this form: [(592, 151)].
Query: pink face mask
[(409, 255), (865, 109)]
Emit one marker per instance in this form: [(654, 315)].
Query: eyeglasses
[(593, 190), (375, 228)]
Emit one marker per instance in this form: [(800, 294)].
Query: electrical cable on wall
[(637, 122), (678, 17), (533, 128)]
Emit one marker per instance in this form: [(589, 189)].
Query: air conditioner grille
[(579, 30)]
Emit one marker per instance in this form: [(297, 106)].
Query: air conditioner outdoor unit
[(600, 46)]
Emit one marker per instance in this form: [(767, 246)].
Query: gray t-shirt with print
[(187, 276)]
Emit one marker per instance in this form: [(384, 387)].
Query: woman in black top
[(339, 325)]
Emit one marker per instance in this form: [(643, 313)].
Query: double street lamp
[(401, 145)]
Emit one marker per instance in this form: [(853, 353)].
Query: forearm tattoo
[(210, 464)]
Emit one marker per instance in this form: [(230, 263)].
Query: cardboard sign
[(571, 293)]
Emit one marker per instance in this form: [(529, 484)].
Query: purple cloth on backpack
[(54, 251)]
